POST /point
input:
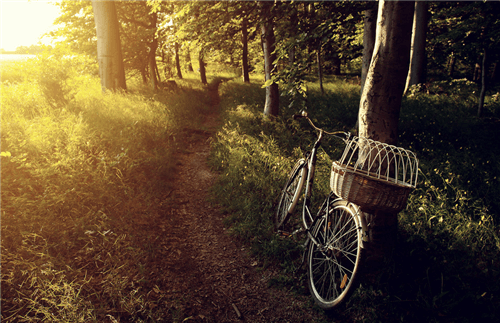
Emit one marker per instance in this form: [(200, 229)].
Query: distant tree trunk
[(320, 67), (109, 52), (188, 60), (203, 73), (494, 72), (152, 64), (244, 56), (451, 65), (370, 26), (382, 94), (336, 62), (416, 73), (177, 60), (477, 72), (271, 106), (482, 93)]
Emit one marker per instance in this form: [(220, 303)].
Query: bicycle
[(369, 176)]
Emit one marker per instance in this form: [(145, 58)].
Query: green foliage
[(254, 155), (78, 167), (446, 259)]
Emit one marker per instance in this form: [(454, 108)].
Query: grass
[(446, 260), (78, 169)]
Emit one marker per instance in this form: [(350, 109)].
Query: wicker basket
[(374, 175)]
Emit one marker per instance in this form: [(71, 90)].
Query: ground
[(210, 275)]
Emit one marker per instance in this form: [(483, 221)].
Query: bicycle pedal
[(300, 230)]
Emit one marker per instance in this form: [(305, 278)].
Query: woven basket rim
[(369, 175)]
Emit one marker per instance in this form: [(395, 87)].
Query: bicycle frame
[(311, 159), (310, 179)]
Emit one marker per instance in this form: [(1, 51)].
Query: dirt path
[(207, 276)]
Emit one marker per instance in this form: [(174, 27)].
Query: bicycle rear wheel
[(290, 194), (333, 265)]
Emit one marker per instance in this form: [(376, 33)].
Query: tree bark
[(451, 67), (109, 52), (244, 56), (320, 67), (203, 73), (416, 74), (188, 59), (177, 60), (494, 72), (153, 78), (380, 105), (271, 106), (385, 82), (370, 26)]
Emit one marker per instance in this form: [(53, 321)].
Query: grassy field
[(78, 166), (446, 261)]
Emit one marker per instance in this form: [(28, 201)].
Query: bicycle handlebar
[(335, 133)]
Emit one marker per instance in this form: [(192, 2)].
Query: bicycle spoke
[(334, 261)]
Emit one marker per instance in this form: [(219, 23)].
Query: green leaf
[(268, 83)]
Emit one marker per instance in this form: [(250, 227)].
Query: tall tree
[(177, 60), (416, 73), (381, 102), (370, 27), (271, 106), (382, 94), (244, 55), (109, 53), (201, 63), (153, 46)]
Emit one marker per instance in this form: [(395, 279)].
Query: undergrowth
[(79, 170), (446, 261)]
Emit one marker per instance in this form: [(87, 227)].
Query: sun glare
[(24, 22)]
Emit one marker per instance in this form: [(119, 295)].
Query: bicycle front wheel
[(334, 263), (290, 194)]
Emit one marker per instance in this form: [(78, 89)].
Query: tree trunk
[(416, 74), (177, 60), (271, 106), (203, 73), (152, 64), (381, 102), (336, 68), (244, 56), (494, 72), (370, 22), (320, 68), (482, 93), (451, 68), (477, 72), (188, 59), (109, 52), (382, 94)]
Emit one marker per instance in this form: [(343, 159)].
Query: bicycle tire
[(290, 194), (333, 266)]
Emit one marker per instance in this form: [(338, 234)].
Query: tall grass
[(79, 169), (446, 262)]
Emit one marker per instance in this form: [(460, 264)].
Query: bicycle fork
[(363, 226)]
